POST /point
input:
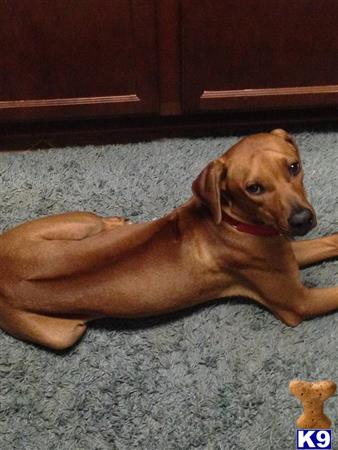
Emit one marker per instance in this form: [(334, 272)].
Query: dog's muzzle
[(301, 221)]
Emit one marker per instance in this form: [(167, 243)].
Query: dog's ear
[(207, 187), (284, 135)]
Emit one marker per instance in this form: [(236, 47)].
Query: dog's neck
[(255, 229)]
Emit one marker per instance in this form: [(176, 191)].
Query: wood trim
[(77, 101), (271, 91), (314, 96), (169, 56)]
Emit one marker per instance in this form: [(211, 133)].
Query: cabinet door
[(77, 58), (259, 54)]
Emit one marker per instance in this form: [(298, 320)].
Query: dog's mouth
[(299, 228), (303, 232), (298, 224)]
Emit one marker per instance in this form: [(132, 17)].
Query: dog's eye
[(255, 189), (294, 168)]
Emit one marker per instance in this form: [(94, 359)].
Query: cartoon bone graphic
[(312, 395)]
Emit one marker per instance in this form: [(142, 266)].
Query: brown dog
[(231, 238)]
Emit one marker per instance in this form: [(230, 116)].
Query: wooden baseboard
[(33, 135)]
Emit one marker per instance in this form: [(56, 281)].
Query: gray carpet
[(212, 378)]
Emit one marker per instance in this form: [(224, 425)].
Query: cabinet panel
[(257, 54), (77, 58)]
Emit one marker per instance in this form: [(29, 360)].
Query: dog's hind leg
[(315, 250), (56, 246), (67, 226), (52, 332)]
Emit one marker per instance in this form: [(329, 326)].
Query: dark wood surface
[(71, 58), (99, 71), (120, 130), (259, 54)]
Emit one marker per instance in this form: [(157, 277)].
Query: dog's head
[(259, 180)]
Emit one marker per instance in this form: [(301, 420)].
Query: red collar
[(257, 230)]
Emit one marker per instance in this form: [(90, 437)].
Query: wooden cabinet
[(259, 54), (77, 58), (95, 59)]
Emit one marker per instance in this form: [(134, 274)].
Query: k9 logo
[(315, 439)]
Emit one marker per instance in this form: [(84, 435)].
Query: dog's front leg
[(318, 301), (289, 300), (315, 250), (302, 304)]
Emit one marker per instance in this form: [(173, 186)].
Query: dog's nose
[(301, 221)]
